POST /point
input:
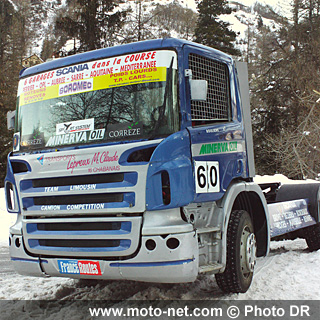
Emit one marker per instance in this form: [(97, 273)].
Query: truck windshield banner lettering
[(96, 75)]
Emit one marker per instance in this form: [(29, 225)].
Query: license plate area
[(82, 267)]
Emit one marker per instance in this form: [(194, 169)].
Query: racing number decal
[(207, 176)]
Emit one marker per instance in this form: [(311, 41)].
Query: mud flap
[(289, 216)]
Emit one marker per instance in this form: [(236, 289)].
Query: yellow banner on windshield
[(86, 82)]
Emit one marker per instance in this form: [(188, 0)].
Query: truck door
[(216, 129)]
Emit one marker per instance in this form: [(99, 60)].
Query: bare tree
[(297, 152)]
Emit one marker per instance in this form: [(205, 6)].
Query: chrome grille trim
[(82, 236)]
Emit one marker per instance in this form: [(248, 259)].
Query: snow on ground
[(12, 285), (6, 220), (290, 272), (280, 178)]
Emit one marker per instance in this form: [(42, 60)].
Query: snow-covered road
[(290, 272)]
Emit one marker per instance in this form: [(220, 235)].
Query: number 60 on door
[(207, 176)]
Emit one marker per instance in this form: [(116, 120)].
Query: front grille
[(75, 227), (74, 244), (78, 199), (79, 193), (78, 180), (79, 237)]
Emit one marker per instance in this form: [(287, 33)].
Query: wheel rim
[(248, 251)]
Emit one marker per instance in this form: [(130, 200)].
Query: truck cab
[(136, 162)]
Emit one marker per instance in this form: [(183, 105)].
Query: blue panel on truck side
[(216, 130), (172, 156), (225, 144), (10, 175)]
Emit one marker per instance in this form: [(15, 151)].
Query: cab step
[(210, 267), (208, 230)]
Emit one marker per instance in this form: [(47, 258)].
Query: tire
[(312, 236), (241, 254)]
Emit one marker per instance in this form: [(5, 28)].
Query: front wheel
[(241, 254)]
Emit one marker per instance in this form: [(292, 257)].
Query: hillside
[(247, 14)]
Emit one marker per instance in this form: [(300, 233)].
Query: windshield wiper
[(162, 108)]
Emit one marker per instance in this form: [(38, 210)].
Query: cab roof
[(115, 51)]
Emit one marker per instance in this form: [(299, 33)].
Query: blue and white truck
[(136, 162)]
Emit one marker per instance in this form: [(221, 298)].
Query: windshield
[(130, 97)]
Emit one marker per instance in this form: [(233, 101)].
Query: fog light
[(151, 244), (17, 242), (173, 243)]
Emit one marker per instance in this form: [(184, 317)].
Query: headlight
[(11, 198)]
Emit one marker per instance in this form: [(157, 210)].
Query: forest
[(283, 60)]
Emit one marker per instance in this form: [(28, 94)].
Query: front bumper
[(170, 259)]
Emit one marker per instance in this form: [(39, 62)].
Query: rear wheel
[(241, 254)]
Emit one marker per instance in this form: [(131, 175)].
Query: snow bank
[(12, 285), (6, 220), (288, 273), (280, 178)]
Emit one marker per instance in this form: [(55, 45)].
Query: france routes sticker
[(79, 267)]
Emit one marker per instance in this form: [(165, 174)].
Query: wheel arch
[(251, 202), (246, 196)]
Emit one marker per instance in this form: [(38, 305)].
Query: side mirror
[(199, 89), (11, 116)]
